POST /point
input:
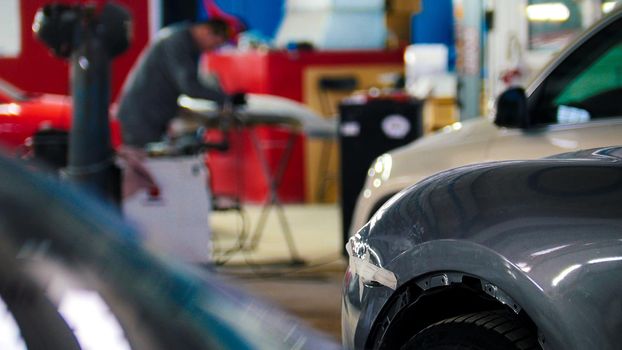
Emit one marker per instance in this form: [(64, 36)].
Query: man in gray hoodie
[(167, 69)]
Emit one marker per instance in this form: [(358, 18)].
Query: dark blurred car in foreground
[(502, 255), (72, 276)]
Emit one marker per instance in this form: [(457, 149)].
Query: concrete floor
[(311, 290)]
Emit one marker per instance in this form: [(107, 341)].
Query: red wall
[(281, 73), (38, 71)]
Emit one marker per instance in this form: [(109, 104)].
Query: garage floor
[(310, 290)]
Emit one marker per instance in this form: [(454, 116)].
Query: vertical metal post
[(91, 158), (470, 29)]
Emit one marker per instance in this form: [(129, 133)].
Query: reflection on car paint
[(10, 337), (92, 321)]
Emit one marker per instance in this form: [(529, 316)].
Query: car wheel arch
[(431, 298), (412, 296)]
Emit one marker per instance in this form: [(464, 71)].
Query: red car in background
[(23, 114)]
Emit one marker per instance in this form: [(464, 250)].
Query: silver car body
[(542, 238), (480, 140)]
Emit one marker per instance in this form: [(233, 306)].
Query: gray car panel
[(548, 233)]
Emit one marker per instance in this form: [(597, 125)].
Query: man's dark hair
[(218, 27)]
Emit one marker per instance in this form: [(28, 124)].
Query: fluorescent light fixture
[(548, 12), (608, 6)]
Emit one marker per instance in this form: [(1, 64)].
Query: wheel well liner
[(418, 304)]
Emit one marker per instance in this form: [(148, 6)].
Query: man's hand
[(135, 175)]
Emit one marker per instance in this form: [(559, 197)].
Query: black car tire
[(489, 330)]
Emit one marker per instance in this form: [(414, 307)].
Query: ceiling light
[(608, 6), (548, 12)]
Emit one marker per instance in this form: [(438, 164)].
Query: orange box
[(404, 6), (399, 26)]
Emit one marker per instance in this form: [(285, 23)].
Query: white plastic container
[(176, 223), (427, 71)]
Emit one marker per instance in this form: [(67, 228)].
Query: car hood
[(455, 134), (535, 214), (438, 151)]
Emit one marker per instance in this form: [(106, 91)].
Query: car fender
[(442, 256), (503, 223)]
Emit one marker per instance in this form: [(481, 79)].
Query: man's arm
[(182, 65)]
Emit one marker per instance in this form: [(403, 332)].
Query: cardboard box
[(399, 27), (439, 112), (404, 6)]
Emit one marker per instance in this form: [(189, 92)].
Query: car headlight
[(379, 172), (365, 263)]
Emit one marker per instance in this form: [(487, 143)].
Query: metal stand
[(273, 201), (246, 120)]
